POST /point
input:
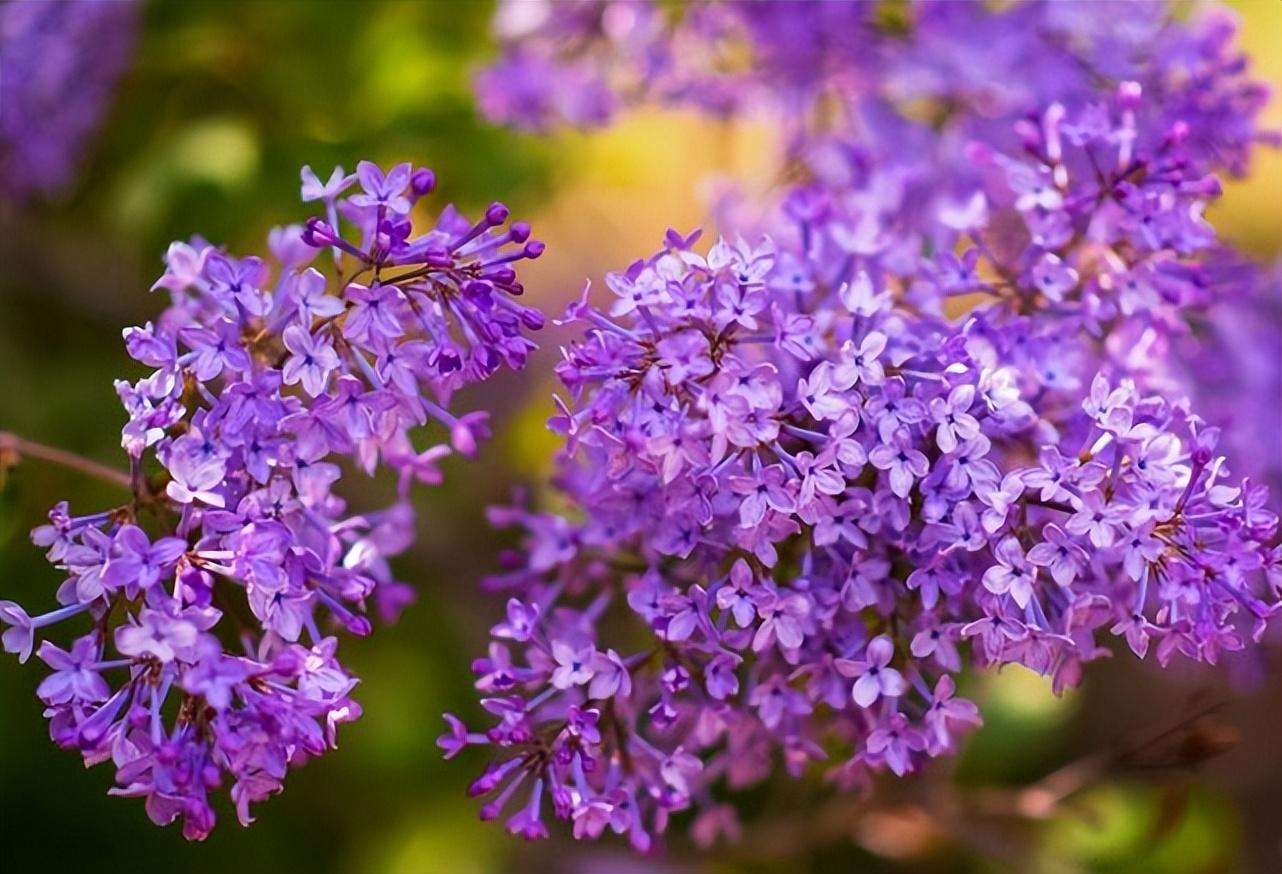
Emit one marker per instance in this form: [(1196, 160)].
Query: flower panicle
[(215, 595), (806, 491)]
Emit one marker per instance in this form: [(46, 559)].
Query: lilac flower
[(774, 702), (1013, 573), (859, 362), (939, 644), (331, 190), (382, 190), (313, 300), (1095, 519), (77, 674), (902, 463), (260, 380), (895, 744), (60, 64), (749, 634), (768, 490), (374, 314), (197, 468), (527, 822), (875, 678), (18, 637), (838, 511), (956, 424), (1060, 554), (312, 361), (609, 676), (574, 667), (945, 713), (136, 563), (825, 447), (159, 636), (1142, 549), (782, 620), (999, 500), (1053, 278), (581, 66)]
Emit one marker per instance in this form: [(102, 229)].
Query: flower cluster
[(810, 515), (214, 593), (535, 84), (883, 78), (892, 113), (59, 65), (913, 416)]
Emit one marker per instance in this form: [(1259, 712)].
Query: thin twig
[(12, 444)]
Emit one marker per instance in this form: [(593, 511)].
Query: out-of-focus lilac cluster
[(923, 411), (59, 66), (893, 81), (567, 63), (212, 596)]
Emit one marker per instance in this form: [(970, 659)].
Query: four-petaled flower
[(876, 679)]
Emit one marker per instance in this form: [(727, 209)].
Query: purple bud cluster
[(212, 596), (59, 66), (913, 416)]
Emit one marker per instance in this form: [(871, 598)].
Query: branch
[(13, 448)]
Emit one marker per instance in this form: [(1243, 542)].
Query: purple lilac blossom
[(895, 424), (830, 616), (872, 79), (535, 85), (212, 598), (60, 63), (880, 106)]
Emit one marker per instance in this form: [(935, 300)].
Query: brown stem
[(13, 445)]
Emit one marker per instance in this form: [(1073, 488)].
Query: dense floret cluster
[(213, 595), (886, 78), (911, 415)]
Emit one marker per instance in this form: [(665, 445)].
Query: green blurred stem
[(12, 444)]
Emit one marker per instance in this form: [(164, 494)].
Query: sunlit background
[(223, 103)]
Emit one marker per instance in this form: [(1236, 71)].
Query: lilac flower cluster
[(59, 66), (213, 595), (886, 79), (916, 414), (535, 84)]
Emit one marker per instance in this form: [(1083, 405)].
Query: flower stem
[(12, 444)]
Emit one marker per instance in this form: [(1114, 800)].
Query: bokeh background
[(1181, 771)]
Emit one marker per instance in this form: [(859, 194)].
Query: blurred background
[(223, 102)]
